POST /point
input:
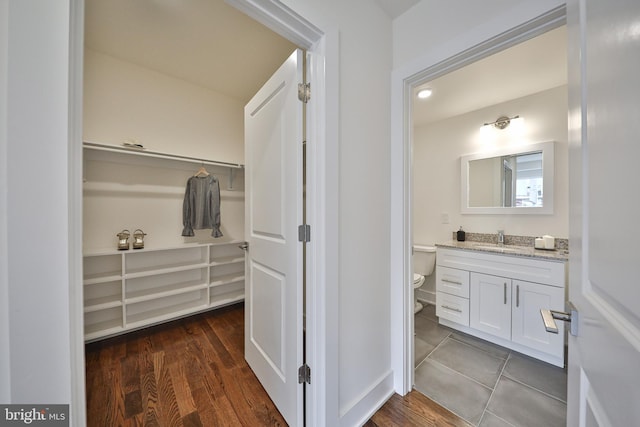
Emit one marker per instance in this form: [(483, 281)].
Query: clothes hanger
[(202, 171)]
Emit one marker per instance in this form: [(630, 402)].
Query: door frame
[(321, 196), (403, 83)]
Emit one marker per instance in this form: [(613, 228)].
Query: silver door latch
[(549, 318), (244, 246)]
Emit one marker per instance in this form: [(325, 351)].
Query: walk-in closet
[(163, 109), (164, 93)]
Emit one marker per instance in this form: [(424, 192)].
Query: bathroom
[(528, 81)]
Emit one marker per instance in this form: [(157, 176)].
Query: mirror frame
[(548, 166)]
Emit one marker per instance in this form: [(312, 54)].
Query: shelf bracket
[(231, 176)]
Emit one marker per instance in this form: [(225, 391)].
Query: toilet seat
[(418, 280)]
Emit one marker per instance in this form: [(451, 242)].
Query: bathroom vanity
[(496, 293)]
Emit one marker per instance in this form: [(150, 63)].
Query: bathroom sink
[(496, 248)]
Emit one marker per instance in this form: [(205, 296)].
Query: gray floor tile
[(490, 420), (538, 374), (493, 349), (469, 361), (421, 350), (429, 311), (430, 331), (452, 390), (523, 406)]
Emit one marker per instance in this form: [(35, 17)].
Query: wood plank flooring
[(191, 372), (414, 409)]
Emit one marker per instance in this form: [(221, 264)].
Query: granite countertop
[(513, 250)]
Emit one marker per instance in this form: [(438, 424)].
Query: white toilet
[(424, 260)]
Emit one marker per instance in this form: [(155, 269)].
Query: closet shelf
[(163, 291), (163, 314), (98, 330), (99, 278), (159, 155), (228, 260), (141, 152), (144, 272), (101, 304), (227, 279)]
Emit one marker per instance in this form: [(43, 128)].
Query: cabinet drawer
[(453, 308), (452, 281)]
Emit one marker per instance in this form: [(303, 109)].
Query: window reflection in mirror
[(506, 181)]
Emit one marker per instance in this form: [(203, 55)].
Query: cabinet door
[(490, 305), (527, 326)]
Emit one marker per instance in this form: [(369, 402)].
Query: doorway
[(309, 37), (407, 236)]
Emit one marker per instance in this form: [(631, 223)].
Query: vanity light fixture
[(502, 122), (425, 93)]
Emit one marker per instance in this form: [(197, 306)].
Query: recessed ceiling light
[(425, 93)]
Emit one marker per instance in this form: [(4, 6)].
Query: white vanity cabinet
[(505, 295), (128, 290)]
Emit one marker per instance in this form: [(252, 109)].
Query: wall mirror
[(514, 180)]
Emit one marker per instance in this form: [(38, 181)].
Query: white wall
[(436, 172), (125, 101), (37, 201), (5, 368), (439, 30), (363, 305)]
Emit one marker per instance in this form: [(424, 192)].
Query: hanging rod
[(158, 155)]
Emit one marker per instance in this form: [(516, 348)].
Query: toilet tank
[(424, 259)]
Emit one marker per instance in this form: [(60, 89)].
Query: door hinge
[(304, 233), (304, 374), (304, 92)]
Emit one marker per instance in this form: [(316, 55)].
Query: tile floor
[(487, 385)]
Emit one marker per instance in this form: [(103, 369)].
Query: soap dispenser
[(460, 235)]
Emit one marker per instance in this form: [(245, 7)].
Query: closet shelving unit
[(132, 289), (127, 290)]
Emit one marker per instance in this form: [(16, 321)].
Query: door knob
[(244, 246), (549, 318)]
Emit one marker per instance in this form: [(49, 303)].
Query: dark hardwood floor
[(414, 409), (192, 372), (189, 372)]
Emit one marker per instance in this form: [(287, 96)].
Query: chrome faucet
[(500, 237)]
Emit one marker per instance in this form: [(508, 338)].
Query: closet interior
[(172, 276), (164, 95)]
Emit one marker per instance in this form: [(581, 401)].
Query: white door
[(273, 209), (490, 305), (604, 284)]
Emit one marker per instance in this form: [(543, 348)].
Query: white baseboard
[(426, 296), (361, 409)]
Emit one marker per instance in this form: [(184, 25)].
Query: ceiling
[(213, 45), (395, 8), (208, 43), (527, 68)]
